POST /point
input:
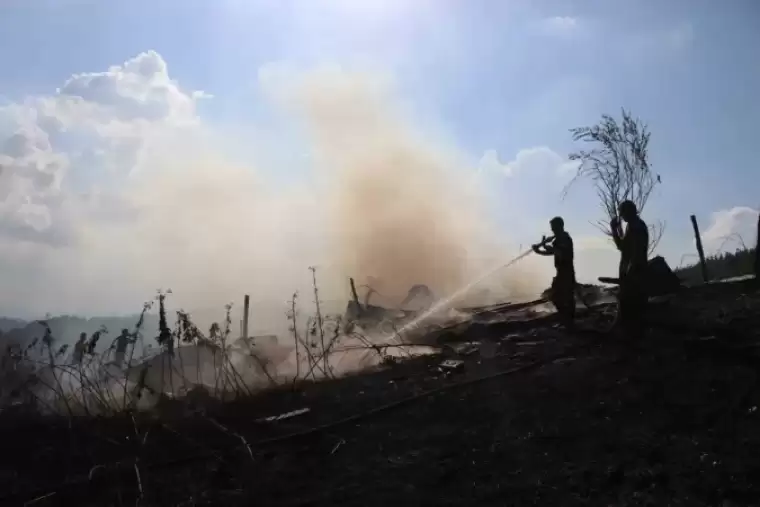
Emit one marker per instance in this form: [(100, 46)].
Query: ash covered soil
[(574, 419)]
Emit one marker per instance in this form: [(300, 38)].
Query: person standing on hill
[(634, 252), (122, 341), (80, 348), (563, 285)]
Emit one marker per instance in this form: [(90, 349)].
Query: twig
[(293, 318), (139, 483), (39, 499), (340, 442), (320, 324), (234, 434)]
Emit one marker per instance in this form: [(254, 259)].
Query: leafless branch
[(618, 167)]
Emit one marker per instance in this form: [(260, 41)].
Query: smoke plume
[(376, 200)]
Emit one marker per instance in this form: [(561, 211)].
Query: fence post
[(355, 297), (246, 304), (700, 251), (757, 250)]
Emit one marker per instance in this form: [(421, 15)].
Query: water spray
[(463, 290)]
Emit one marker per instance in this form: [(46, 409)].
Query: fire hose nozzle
[(544, 241)]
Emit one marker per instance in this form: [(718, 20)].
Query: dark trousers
[(563, 296), (633, 303)]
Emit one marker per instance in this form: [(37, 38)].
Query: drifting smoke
[(378, 201), (401, 210), (396, 217)]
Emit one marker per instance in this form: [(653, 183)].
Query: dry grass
[(44, 377)]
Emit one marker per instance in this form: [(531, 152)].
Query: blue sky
[(509, 76)]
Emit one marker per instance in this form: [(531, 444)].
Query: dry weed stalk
[(320, 323), (293, 318), (92, 385)]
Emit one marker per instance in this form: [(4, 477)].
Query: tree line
[(719, 266)]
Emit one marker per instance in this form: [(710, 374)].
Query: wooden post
[(757, 250), (355, 296), (246, 303), (700, 251)]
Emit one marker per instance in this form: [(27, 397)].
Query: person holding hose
[(560, 246), (634, 252)]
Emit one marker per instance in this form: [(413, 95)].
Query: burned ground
[(547, 418)]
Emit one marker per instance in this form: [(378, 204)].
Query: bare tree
[(618, 166)]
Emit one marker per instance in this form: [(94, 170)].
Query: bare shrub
[(618, 166)]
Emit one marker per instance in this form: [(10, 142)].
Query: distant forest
[(720, 266)]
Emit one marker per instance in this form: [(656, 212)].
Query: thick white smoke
[(376, 200)]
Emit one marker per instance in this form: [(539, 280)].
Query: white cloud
[(540, 159), (112, 187), (560, 25), (30, 182), (729, 228), (96, 122), (490, 164), (140, 89)]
